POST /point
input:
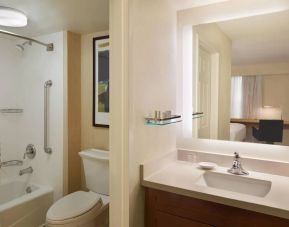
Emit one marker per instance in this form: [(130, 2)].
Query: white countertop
[(180, 177)]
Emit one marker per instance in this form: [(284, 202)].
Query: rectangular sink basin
[(233, 183)]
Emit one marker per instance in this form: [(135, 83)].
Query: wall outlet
[(191, 158)]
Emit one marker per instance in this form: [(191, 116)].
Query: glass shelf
[(197, 115), (8, 111), (165, 121)]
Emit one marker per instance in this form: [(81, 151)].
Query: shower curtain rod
[(49, 46)]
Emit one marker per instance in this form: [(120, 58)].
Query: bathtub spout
[(25, 171)]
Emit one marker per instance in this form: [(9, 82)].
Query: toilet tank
[(96, 170)]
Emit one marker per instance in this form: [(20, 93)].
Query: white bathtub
[(18, 208)]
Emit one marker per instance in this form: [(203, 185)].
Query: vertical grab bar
[(47, 85)]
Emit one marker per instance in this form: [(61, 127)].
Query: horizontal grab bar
[(11, 163)]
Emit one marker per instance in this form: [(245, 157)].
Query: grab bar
[(47, 85), (11, 163)]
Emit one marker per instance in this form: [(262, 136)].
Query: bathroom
[(47, 104), (55, 120), (172, 189)]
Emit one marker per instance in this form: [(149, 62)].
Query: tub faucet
[(237, 168), (25, 171)]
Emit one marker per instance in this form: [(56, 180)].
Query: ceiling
[(187, 4), (80, 16), (47, 16), (259, 39)]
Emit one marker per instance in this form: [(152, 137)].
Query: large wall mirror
[(241, 79)]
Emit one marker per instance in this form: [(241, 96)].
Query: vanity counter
[(180, 177)]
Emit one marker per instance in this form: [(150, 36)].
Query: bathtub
[(24, 205)]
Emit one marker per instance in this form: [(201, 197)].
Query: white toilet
[(85, 208)]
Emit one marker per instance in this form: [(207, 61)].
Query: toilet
[(81, 208)]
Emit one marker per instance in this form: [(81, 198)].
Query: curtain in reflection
[(252, 96), (236, 97), (246, 100)]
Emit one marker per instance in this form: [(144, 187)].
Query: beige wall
[(213, 36), (152, 75), (261, 69), (276, 93), (74, 110), (91, 137)]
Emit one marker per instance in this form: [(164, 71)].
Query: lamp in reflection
[(270, 113)]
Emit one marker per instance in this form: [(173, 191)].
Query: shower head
[(21, 46)]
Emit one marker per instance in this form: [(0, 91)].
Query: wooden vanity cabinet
[(164, 209)]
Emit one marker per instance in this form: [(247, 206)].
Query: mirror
[(241, 79)]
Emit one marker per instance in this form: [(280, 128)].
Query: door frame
[(215, 62), (119, 114)]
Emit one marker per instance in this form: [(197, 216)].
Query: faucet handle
[(30, 151)]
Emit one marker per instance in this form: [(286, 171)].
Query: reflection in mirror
[(241, 79)]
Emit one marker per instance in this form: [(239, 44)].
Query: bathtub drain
[(28, 190)]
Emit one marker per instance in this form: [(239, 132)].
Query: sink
[(239, 184)]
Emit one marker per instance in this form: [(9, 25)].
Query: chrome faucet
[(25, 171), (237, 168)]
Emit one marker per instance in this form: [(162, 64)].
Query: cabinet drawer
[(189, 208), (161, 205), (167, 220)]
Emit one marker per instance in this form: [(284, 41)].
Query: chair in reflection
[(269, 131)]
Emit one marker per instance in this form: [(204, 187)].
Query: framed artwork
[(101, 81)]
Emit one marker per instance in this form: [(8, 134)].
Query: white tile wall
[(22, 77)]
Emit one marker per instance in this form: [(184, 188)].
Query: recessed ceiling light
[(12, 18)]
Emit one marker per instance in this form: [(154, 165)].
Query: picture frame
[(101, 82)]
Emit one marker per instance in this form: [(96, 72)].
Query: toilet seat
[(74, 208)]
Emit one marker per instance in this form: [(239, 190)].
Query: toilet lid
[(73, 205)]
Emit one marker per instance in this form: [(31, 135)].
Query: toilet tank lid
[(95, 154)]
